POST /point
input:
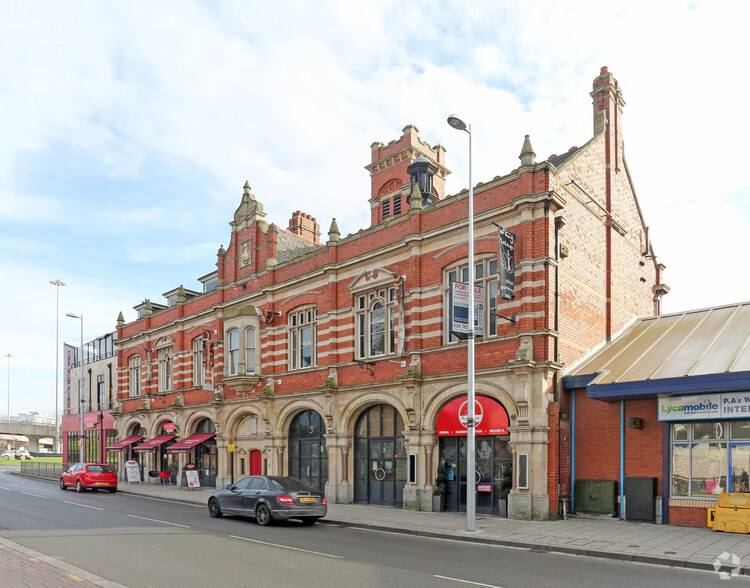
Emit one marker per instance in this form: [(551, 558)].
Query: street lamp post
[(8, 356), (57, 283), (471, 497), (81, 390)]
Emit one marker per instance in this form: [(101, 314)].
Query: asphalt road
[(139, 541)]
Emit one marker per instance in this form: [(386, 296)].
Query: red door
[(256, 463)]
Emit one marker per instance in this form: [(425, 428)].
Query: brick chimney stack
[(608, 103), (304, 226)]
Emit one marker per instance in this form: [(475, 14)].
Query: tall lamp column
[(57, 283), (81, 394), (8, 356), (471, 483)]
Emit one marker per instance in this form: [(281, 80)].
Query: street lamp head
[(72, 315), (455, 121), (57, 282)]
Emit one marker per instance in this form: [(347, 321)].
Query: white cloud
[(130, 128)]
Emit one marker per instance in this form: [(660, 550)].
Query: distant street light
[(57, 283), (8, 356), (471, 483), (81, 390)]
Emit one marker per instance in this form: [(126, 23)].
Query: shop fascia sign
[(733, 405)]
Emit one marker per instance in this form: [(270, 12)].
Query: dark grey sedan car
[(269, 498)]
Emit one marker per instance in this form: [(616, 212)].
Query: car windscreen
[(100, 468), (291, 484)]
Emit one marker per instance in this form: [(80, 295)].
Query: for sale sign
[(459, 310)]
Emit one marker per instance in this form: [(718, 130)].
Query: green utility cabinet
[(596, 497)]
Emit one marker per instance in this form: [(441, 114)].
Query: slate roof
[(290, 246)]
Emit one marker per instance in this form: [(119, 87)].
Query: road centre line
[(34, 495), (466, 581), (83, 505), (158, 521), (287, 547)]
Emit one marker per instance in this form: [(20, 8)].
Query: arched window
[(375, 323), (165, 369), (308, 457)]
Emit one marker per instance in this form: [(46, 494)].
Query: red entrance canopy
[(188, 443), (490, 417), (152, 444), (119, 446)]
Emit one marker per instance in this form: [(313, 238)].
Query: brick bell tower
[(390, 178)]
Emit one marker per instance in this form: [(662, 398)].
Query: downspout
[(573, 451), (559, 224), (622, 457)]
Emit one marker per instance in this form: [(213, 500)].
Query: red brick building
[(333, 360)]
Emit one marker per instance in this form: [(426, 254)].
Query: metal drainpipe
[(559, 223)]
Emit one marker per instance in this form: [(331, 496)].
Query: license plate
[(102, 483), (307, 499)]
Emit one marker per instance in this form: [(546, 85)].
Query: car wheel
[(309, 520), (213, 508), (112, 490), (79, 488), (62, 484), (263, 515)]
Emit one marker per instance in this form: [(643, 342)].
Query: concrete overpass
[(32, 431)]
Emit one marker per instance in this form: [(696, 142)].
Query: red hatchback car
[(89, 476)]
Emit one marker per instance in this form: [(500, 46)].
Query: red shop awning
[(120, 445), (490, 417), (152, 444), (188, 443)]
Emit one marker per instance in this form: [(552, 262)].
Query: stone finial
[(120, 321), (527, 157), (415, 200), (249, 207), (181, 295), (148, 309), (333, 233), (221, 250)]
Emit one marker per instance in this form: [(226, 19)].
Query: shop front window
[(708, 457)]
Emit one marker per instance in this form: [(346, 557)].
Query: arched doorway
[(206, 455), (308, 457), (494, 461), (379, 457)]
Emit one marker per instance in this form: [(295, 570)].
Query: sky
[(127, 130)]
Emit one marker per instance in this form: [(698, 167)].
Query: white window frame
[(165, 369), (198, 361), (366, 304), (250, 346), (233, 352), (134, 375), (303, 335)]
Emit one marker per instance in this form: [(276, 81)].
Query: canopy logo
[(700, 407), (675, 408)]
